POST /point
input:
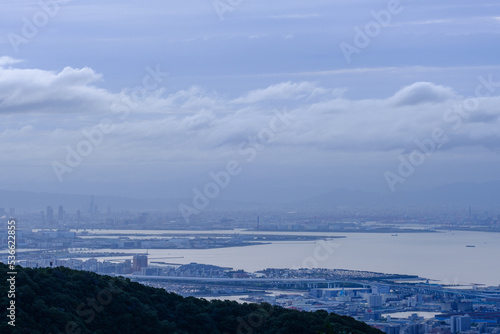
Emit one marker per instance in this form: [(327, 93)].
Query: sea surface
[(443, 256)]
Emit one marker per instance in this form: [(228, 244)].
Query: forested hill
[(61, 300)]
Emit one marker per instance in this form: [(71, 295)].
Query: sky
[(248, 100)]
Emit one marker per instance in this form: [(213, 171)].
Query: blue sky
[(89, 66)]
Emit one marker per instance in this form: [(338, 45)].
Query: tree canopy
[(62, 300)]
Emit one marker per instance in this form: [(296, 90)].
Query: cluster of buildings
[(402, 310), (41, 239), (64, 239), (338, 220), (398, 312), (138, 265), (169, 243), (324, 273), (377, 299)]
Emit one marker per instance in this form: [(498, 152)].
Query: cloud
[(33, 90), (428, 22), (295, 16), (422, 92), (50, 111), (283, 91), (4, 60)]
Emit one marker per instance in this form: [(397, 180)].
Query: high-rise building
[(413, 329), (460, 323), (60, 213), (455, 323), (78, 215), (374, 301), (50, 214), (143, 218), (12, 212), (92, 208), (139, 261), (392, 329)]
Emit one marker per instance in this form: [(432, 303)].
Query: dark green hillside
[(61, 300)]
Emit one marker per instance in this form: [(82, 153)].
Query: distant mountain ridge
[(27, 200), (485, 194)]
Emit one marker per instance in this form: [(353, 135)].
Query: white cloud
[(32, 90), (422, 92), (429, 22), (4, 60), (199, 127), (283, 91), (295, 16)]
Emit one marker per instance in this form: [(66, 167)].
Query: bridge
[(310, 283)]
